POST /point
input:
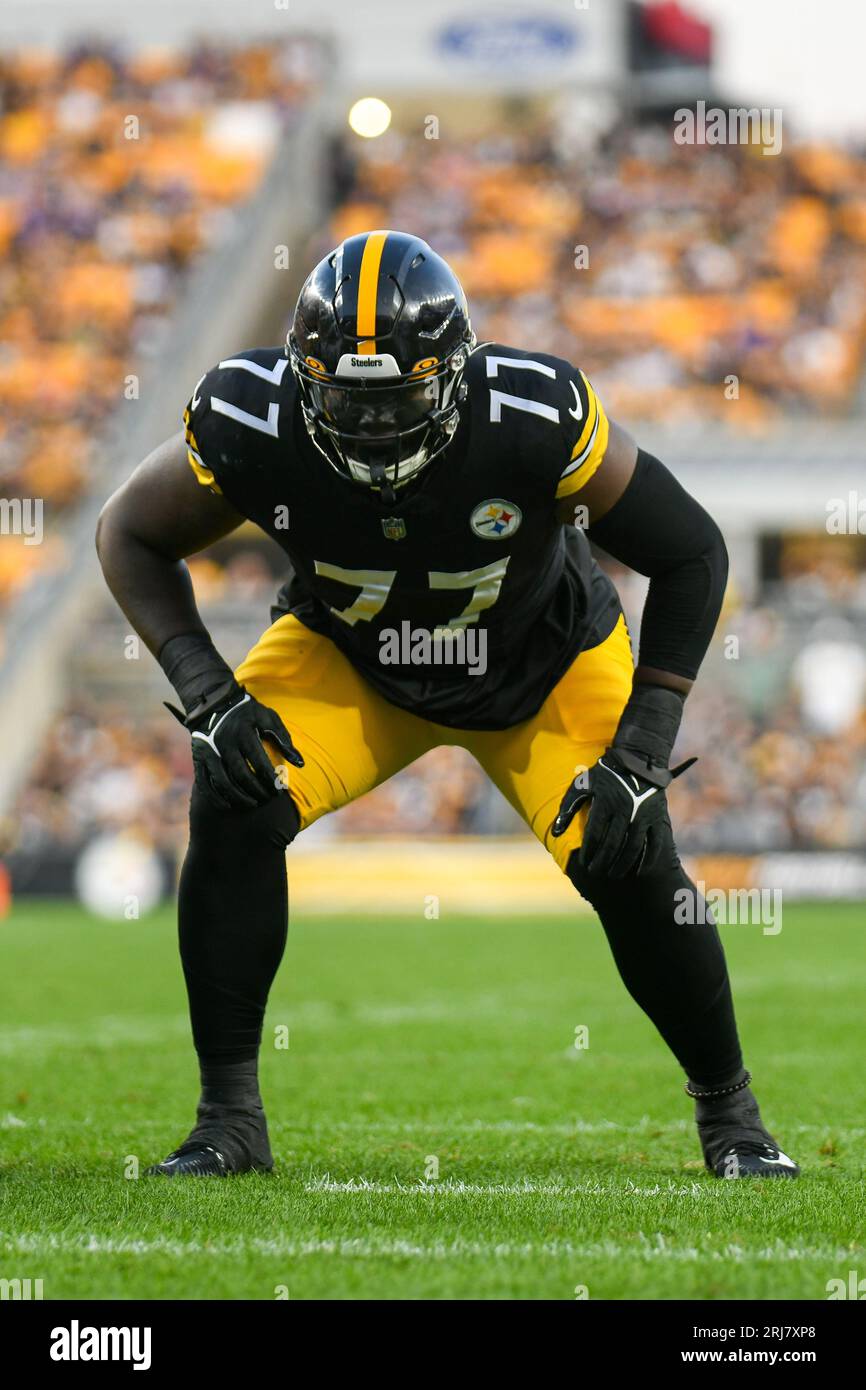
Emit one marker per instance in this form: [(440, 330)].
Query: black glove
[(628, 827), (227, 724), (231, 764)]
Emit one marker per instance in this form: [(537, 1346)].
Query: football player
[(422, 483)]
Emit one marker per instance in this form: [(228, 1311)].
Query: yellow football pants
[(352, 738)]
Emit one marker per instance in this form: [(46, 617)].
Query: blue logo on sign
[(508, 39)]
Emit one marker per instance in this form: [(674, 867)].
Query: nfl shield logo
[(394, 528)]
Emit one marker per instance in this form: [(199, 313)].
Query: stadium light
[(370, 117)]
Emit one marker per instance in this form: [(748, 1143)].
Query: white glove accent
[(637, 801), (209, 737)]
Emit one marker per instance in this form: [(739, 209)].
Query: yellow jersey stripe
[(577, 474), (368, 291), (195, 460), (202, 473), (591, 417)]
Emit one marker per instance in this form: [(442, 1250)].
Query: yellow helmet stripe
[(368, 291)]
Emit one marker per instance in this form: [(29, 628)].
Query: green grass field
[(416, 1042)]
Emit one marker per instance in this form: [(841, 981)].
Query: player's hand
[(231, 763), (628, 827)]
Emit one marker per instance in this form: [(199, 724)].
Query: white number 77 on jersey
[(375, 586)]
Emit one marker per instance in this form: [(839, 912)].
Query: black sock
[(677, 973), (235, 1084), (233, 919)]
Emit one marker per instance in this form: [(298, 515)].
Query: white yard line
[(386, 1127), (310, 1016), (98, 1032), (653, 1248), (443, 1128), (450, 1187)]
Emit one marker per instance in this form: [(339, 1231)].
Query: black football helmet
[(378, 343)]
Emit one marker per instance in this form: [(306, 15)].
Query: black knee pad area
[(273, 825), (654, 892)]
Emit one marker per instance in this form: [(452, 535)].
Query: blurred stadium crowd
[(779, 722), (116, 173), (664, 267), (701, 264)]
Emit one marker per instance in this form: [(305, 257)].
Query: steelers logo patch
[(495, 520)]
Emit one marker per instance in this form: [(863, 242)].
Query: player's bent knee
[(274, 824), (655, 890)]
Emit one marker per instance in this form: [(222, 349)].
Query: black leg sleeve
[(677, 973), (233, 919)]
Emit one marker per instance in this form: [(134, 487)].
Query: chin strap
[(381, 481)]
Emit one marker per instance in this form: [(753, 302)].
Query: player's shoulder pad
[(549, 406), (235, 408)]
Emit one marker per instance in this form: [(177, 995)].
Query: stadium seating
[(698, 269), (116, 173), (111, 766), (699, 263)]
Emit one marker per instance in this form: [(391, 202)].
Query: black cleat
[(192, 1160), (734, 1141), (225, 1140), (746, 1160)]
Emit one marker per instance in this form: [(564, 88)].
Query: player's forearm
[(659, 530), (154, 591), (679, 618), (156, 594), (159, 515)]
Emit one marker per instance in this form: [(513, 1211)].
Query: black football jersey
[(467, 599)]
